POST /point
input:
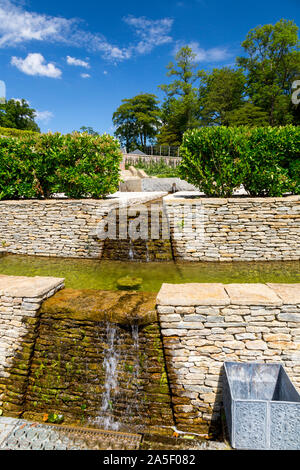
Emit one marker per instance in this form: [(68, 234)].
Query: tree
[(89, 130), (179, 110), (137, 120), (17, 114), (248, 115), (272, 63), (221, 92)]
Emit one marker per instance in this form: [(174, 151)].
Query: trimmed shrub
[(269, 154), (211, 159), (78, 165), (265, 160), (11, 132)]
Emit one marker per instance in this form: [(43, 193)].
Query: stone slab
[(22, 286), (166, 184), (289, 293), (252, 294), (192, 294), (189, 198)]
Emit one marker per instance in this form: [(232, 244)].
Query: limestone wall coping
[(193, 197), (289, 293), (110, 201), (225, 294), (192, 294), (28, 287)]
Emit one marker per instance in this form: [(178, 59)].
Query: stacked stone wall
[(234, 229), (204, 325)]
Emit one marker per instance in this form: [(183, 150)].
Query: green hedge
[(10, 132), (266, 160), (77, 165)]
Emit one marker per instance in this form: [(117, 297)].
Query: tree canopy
[(17, 114), (271, 65), (137, 120), (257, 91), (179, 110)]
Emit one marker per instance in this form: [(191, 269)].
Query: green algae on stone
[(129, 283), (120, 307)]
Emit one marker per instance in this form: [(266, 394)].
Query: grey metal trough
[(262, 407)]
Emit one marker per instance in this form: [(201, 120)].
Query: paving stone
[(21, 286), (192, 294), (252, 294), (289, 293)]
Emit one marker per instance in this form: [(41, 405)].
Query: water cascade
[(98, 361), (110, 365), (155, 247)]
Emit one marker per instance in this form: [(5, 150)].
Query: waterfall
[(131, 250), (110, 364), (133, 405), (118, 392), (147, 253)]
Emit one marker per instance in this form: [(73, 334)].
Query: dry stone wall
[(96, 357), (204, 325), (70, 367), (234, 229), (59, 227), (201, 229), (20, 300), (51, 228)]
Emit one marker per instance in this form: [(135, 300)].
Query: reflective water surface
[(94, 274)]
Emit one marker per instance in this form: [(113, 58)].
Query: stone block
[(192, 295)]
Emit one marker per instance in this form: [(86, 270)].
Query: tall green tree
[(248, 115), (17, 114), (272, 62), (137, 120), (179, 110), (89, 130), (221, 92)]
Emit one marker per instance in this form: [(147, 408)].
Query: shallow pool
[(93, 274)]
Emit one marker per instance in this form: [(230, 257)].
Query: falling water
[(110, 364), (147, 253), (133, 405), (131, 250)]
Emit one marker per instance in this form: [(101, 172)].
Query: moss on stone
[(129, 283), (119, 307)]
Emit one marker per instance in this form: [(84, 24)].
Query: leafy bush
[(211, 159), (77, 165), (264, 159), (268, 155), (10, 132)]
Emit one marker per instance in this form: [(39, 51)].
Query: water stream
[(95, 274), (106, 418), (133, 406)]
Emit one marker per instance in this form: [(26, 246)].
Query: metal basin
[(262, 407)]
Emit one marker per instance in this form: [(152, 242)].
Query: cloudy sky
[(75, 61)]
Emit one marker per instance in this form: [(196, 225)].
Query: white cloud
[(18, 26), (214, 54), (44, 116), (105, 72), (152, 33), (77, 62), (85, 75), (34, 64)]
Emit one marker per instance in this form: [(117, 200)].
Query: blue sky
[(75, 61)]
